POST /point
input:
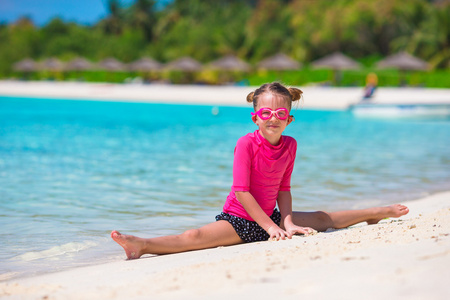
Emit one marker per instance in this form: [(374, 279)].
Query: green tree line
[(250, 29)]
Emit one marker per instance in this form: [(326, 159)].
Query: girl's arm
[(285, 204), (255, 211)]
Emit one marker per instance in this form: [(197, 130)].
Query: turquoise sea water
[(72, 171)]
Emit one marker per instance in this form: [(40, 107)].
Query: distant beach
[(315, 97)]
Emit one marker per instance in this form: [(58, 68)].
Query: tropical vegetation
[(252, 30)]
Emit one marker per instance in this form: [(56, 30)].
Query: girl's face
[(272, 128)]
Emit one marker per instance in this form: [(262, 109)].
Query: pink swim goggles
[(266, 113)]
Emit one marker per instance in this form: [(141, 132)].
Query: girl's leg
[(219, 233), (321, 221)]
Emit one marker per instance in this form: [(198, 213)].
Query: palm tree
[(143, 17), (432, 39), (113, 24)]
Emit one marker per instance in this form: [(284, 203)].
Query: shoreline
[(314, 97), (406, 257)]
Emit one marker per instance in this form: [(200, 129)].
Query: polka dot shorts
[(249, 231)]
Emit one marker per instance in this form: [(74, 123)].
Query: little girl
[(262, 168)]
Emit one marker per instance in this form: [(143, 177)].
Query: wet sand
[(405, 258)]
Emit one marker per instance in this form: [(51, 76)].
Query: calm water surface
[(71, 171)]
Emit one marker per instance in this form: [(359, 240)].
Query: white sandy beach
[(406, 258), (314, 97)]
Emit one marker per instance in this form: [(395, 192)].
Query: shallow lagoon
[(71, 171)]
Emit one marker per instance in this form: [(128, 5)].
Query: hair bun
[(296, 93), (250, 97)]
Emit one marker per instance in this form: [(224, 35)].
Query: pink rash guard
[(261, 169)]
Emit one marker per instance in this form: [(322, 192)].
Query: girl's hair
[(289, 94)]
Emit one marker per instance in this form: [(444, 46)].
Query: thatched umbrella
[(54, 68), (78, 64), (279, 62), (185, 64), (112, 67), (403, 61), (25, 65), (230, 63), (336, 62), (111, 64), (52, 64), (145, 64)]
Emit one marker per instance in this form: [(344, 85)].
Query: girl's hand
[(294, 229), (276, 233)]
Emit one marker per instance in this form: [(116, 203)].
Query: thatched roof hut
[(145, 64), (403, 61), (279, 62), (336, 61), (111, 64), (25, 65), (185, 64), (52, 64), (79, 64), (230, 63)]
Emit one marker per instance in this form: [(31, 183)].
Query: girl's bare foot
[(129, 243), (391, 211)]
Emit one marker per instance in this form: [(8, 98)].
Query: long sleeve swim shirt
[(261, 169)]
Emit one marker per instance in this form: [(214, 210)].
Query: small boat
[(415, 110)]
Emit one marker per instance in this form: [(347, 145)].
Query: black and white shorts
[(249, 231)]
